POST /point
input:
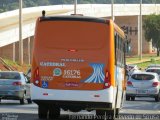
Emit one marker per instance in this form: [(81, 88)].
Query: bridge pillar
[(14, 52)]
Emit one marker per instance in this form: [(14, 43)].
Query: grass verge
[(16, 66), (147, 59), (144, 65)]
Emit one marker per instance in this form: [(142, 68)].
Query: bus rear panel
[(73, 63)]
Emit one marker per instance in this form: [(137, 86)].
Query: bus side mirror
[(127, 47)]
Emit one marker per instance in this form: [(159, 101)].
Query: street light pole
[(75, 6), (112, 9), (156, 7), (140, 32), (20, 34)]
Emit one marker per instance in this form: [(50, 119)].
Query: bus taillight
[(36, 77), (107, 82)]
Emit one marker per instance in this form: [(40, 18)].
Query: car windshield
[(154, 70), (10, 75), (143, 77)]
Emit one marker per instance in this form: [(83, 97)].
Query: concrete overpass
[(126, 16)]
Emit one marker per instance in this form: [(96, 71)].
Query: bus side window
[(116, 42), (117, 51)]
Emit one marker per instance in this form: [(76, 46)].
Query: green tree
[(13, 6), (42, 2), (29, 3), (151, 25)]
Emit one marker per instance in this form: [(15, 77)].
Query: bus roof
[(74, 18), (82, 18), (119, 30)]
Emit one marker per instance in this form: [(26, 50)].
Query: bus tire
[(100, 115), (117, 112), (42, 112), (29, 101), (110, 114), (54, 112), (133, 98), (127, 97)]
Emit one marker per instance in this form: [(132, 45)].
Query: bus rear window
[(72, 34)]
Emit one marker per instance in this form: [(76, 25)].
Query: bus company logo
[(50, 64), (57, 72)]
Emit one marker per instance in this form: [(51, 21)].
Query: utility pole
[(20, 34), (75, 6), (140, 32), (156, 7), (29, 49), (112, 9)]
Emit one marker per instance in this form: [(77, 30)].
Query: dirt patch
[(3, 67), (22, 68)]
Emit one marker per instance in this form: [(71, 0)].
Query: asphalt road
[(141, 108)]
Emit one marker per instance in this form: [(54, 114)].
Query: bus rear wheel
[(22, 101), (117, 112), (54, 112), (42, 112), (127, 97), (133, 98)]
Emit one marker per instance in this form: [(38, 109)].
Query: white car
[(154, 65), (154, 70), (15, 86), (143, 84)]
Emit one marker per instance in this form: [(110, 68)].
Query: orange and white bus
[(78, 64)]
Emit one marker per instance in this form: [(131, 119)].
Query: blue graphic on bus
[(44, 84), (98, 74)]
